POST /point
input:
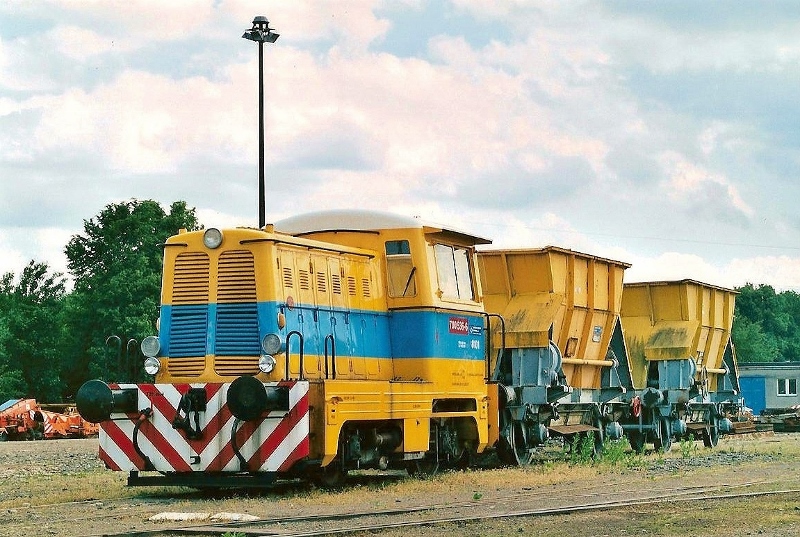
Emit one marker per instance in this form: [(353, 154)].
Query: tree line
[(766, 326), (53, 339)]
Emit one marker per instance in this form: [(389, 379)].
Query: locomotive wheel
[(332, 476), (636, 440), (505, 453), (423, 467), (664, 441), (466, 459)]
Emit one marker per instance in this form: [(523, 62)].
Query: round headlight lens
[(152, 365), (212, 238), (266, 364), (272, 344), (150, 346)]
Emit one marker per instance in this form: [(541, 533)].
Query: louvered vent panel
[(365, 289), (237, 330), (304, 280), (351, 286), (321, 283), (287, 277), (187, 333), (336, 284), (235, 366), (186, 367), (190, 282), (237, 313), (236, 277)]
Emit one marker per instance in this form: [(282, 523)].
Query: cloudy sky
[(665, 134)]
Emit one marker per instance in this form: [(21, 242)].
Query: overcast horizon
[(662, 134)]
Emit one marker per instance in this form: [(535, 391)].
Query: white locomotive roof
[(358, 220)]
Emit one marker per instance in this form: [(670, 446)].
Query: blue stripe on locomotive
[(237, 329), (438, 334)]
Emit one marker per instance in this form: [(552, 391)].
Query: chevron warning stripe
[(272, 444)]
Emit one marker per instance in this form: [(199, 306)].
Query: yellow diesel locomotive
[(345, 340)]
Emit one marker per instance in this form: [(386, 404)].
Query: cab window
[(401, 270), (454, 272)]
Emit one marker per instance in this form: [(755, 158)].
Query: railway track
[(501, 507)]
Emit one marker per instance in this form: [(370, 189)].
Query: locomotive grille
[(190, 285), (187, 332), (235, 319), (189, 315), (237, 337), (186, 367), (236, 277)]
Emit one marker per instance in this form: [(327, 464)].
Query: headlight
[(212, 238), (150, 346), (272, 344), (152, 365), (266, 364)]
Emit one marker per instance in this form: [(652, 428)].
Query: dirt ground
[(59, 487)]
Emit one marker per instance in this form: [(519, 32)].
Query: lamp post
[(261, 33)]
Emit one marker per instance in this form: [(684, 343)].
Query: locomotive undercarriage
[(377, 445)]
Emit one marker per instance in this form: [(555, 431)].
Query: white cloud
[(525, 139), (689, 181)]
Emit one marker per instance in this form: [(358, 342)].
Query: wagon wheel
[(664, 440), (599, 436), (514, 449)]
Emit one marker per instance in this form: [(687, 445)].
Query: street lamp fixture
[(261, 33)]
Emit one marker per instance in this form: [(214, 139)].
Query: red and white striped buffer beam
[(272, 443)]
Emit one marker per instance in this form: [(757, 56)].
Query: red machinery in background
[(25, 419)]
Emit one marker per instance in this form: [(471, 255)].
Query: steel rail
[(256, 527)]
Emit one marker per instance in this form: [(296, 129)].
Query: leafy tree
[(752, 344), (30, 329), (766, 326), (116, 264)]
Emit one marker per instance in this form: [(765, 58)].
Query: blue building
[(769, 384)]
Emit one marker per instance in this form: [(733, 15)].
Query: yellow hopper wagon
[(561, 360), (683, 363)]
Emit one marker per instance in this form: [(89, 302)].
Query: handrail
[(288, 338), (333, 355)]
